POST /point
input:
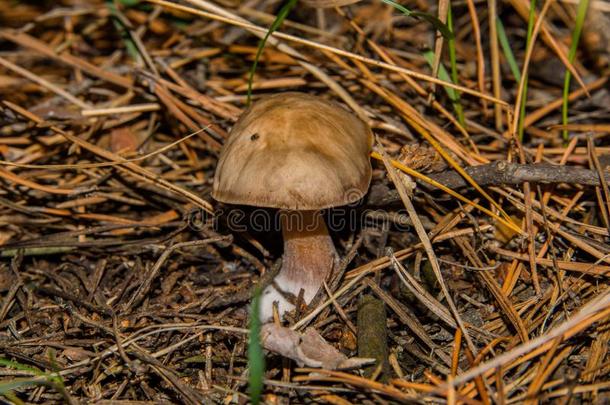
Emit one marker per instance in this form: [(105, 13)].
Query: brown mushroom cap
[(295, 151)]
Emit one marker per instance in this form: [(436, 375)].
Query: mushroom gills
[(308, 259)]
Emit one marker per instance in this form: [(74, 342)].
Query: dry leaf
[(307, 349)]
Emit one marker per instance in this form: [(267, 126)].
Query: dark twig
[(502, 172), (505, 173)]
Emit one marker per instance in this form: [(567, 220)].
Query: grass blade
[(6, 387), (438, 24), (130, 45), (453, 94), (530, 30), (583, 6), (507, 50), (256, 359), (279, 19), (21, 367), (457, 104)]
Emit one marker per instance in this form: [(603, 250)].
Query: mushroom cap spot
[(295, 151)]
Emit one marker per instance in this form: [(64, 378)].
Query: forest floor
[(122, 282)]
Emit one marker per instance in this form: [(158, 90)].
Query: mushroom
[(301, 154)]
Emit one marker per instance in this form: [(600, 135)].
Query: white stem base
[(308, 259)]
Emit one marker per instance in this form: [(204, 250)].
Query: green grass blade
[(129, 3), (51, 379), (506, 49), (256, 359), (13, 398), (457, 104), (530, 30), (6, 387), (21, 367), (436, 23), (583, 6), (454, 95), (451, 46), (279, 19), (442, 74), (130, 45), (54, 378)]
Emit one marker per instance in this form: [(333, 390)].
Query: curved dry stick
[(505, 173), (502, 172)]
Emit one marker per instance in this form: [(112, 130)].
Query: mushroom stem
[(309, 254)]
